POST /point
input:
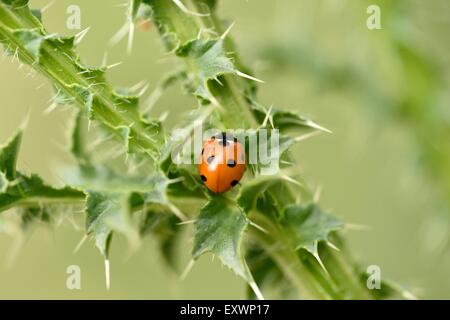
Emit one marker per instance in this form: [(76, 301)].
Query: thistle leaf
[(220, 230), (105, 213), (23, 35), (17, 189), (309, 225), (8, 156)]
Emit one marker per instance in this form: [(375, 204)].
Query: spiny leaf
[(251, 191), (77, 144), (220, 229), (209, 61), (281, 119), (22, 33), (8, 156), (31, 191), (309, 225), (15, 3), (102, 178), (105, 213), (17, 189)]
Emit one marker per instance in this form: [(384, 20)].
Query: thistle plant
[(270, 230)]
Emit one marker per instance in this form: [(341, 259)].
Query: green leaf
[(17, 189), (22, 33), (105, 213), (284, 120), (102, 178), (15, 3), (8, 156), (209, 60), (77, 145), (219, 229), (251, 191), (32, 191), (309, 225)]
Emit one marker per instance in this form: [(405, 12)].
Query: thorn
[(47, 6), (176, 180), (113, 65), (163, 116), (268, 116), (307, 136), (50, 108), (314, 125), (130, 38), (40, 86), (80, 35), (120, 5), (80, 244), (316, 255), (225, 34), (116, 38), (139, 85), (243, 75), (317, 194), (253, 224), (107, 275), (183, 8), (25, 121), (177, 212), (331, 245), (187, 269), (289, 179), (105, 59), (256, 290), (186, 222), (143, 90), (408, 295), (359, 227)]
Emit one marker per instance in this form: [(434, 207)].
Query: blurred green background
[(384, 93)]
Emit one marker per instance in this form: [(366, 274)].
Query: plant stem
[(84, 86), (305, 274)]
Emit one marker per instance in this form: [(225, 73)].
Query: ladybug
[(222, 163)]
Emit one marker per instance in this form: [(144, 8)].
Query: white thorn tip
[(80, 244), (225, 34), (307, 136), (107, 275), (113, 65), (256, 290), (244, 75), (188, 269), (183, 8), (80, 35), (258, 227)]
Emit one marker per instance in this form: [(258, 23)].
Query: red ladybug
[(222, 163)]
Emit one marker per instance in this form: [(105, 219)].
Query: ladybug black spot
[(210, 159), (235, 140), (203, 150), (203, 178), (231, 163), (234, 182)]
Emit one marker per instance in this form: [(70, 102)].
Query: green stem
[(59, 63)]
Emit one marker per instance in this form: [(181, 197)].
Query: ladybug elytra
[(222, 163)]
